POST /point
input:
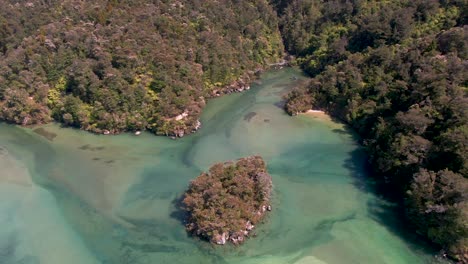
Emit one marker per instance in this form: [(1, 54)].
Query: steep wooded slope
[(396, 71), (127, 65)]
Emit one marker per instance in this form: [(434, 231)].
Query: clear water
[(83, 198)]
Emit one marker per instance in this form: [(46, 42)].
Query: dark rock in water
[(249, 116), (84, 147), (91, 148), (47, 134), (266, 120)]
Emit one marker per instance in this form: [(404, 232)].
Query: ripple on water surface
[(67, 196)]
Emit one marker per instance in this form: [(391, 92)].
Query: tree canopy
[(226, 203), (127, 65), (396, 71)]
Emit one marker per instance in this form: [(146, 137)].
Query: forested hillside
[(396, 71), (111, 66)]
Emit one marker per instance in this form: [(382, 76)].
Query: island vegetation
[(396, 72), (226, 203)]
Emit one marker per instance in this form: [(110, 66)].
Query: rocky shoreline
[(243, 83), (188, 121), (191, 121), (238, 237)]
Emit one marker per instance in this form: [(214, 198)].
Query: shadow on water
[(383, 209), (152, 228), (342, 131), (321, 234), (214, 254), (179, 214), (280, 104), (47, 134), (91, 148), (248, 117)]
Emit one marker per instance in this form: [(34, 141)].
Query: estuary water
[(68, 196)]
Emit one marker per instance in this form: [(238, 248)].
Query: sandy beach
[(318, 114)]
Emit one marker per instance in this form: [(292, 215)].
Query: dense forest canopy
[(226, 203), (396, 71), (127, 65)]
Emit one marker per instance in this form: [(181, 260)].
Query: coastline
[(324, 117), (133, 179), (188, 122), (318, 114)]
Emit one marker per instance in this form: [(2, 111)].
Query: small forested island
[(225, 204)]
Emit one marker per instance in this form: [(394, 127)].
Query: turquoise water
[(83, 198)]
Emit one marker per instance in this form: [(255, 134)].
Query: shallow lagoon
[(67, 196)]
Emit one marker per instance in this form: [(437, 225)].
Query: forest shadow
[(45, 133), (179, 214), (280, 104), (384, 209)]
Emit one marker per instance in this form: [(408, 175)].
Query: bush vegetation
[(127, 65), (227, 202), (396, 71)]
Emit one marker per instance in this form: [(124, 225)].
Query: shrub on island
[(225, 204)]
